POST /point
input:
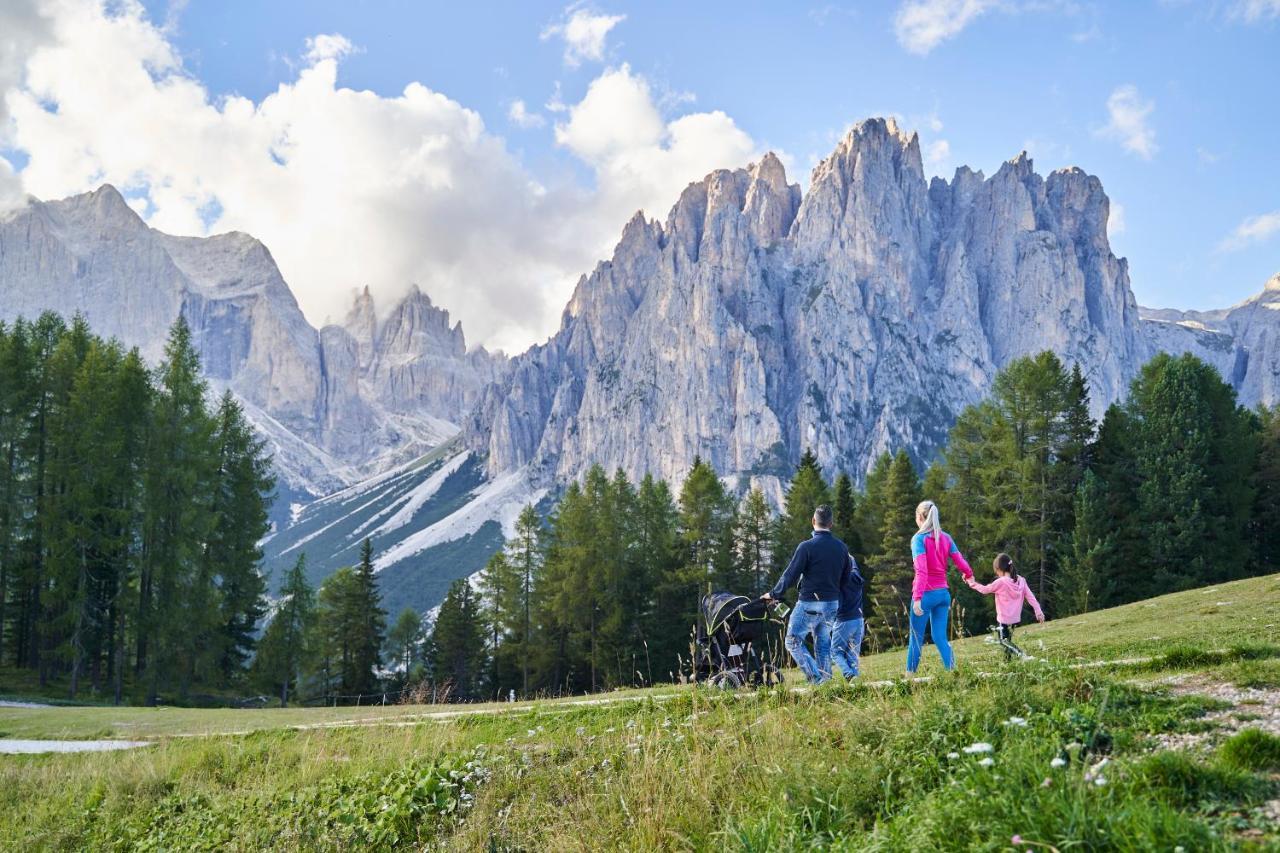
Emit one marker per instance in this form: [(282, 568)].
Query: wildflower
[(980, 746), (1016, 721), (1016, 840), (581, 731), (987, 762), (1047, 783), (1100, 781), (953, 755), (631, 724), (531, 732), (1058, 762)]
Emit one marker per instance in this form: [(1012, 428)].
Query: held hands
[(916, 608), (1040, 618)]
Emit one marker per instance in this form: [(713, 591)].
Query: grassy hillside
[(845, 767)]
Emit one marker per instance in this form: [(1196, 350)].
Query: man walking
[(820, 565)]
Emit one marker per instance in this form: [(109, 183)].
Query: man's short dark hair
[(822, 516)]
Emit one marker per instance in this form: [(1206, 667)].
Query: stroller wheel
[(726, 679)]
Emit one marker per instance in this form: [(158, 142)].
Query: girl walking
[(1010, 591), (932, 550)]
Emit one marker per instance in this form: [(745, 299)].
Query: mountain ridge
[(751, 323)]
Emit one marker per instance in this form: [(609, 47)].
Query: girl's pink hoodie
[(1009, 596)]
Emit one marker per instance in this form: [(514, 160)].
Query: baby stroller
[(736, 642)]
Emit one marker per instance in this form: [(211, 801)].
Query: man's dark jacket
[(820, 564)]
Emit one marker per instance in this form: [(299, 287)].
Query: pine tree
[(753, 541), (670, 613), (1193, 456), (286, 643), (525, 554), (869, 512), (175, 611), (241, 494), (804, 494), (404, 642), (339, 634), (458, 643), (894, 569), (706, 527), (1266, 513), (1085, 576), (504, 612), (845, 512), (373, 622)]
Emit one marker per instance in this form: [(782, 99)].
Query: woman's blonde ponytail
[(930, 524)]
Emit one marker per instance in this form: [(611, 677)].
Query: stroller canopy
[(719, 606)]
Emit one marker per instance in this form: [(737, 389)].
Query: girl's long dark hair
[(1004, 563)]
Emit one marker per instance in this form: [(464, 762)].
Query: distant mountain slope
[(431, 521), (335, 407)]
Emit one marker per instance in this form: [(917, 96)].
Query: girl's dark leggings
[(1005, 633)]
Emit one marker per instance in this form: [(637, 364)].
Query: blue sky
[(1174, 105)]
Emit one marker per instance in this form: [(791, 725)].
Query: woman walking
[(932, 550)]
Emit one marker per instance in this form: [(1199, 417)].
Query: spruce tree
[(373, 622), (458, 644), (504, 613), (1085, 579), (806, 491), (659, 562), (753, 541), (285, 647), (404, 642), (175, 609), (1266, 513), (1194, 456), (241, 494), (894, 569), (525, 554), (844, 509)]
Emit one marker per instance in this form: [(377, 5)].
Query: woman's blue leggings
[(936, 604)]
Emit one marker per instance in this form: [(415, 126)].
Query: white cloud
[(584, 32), (23, 28), (1116, 224), (1128, 123), (937, 157), (1254, 229), (1254, 11), (328, 46), (641, 160), (348, 187), (922, 25), (521, 117)]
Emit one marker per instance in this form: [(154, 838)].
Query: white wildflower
[(953, 755), (987, 762), (531, 732), (980, 746), (1100, 781), (581, 731), (1015, 721), (1058, 762)]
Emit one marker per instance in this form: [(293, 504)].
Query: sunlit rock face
[(754, 323)]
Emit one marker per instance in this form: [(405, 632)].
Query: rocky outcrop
[(753, 324), (414, 361), (328, 401), (1243, 341)]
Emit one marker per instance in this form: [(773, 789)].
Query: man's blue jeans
[(812, 618), (846, 645)]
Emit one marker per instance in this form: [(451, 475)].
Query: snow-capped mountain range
[(752, 323)]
